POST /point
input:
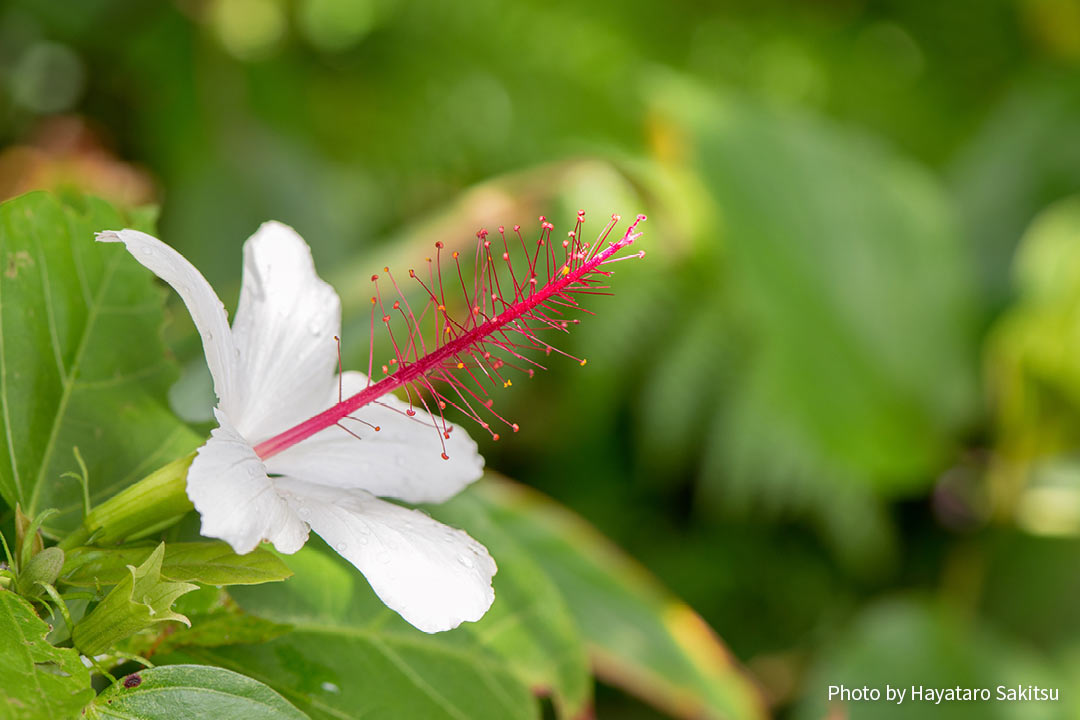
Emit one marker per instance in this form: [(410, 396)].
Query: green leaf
[(844, 279), (37, 680), (640, 637), (143, 598), (190, 691), (1023, 158), (529, 625), (349, 656), (211, 563), (81, 360)]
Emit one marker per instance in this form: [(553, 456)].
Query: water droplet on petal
[(341, 547), (315, 328), (465, 560), (147, 251), (364, 539)]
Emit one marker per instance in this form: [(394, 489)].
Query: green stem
[(154, 502)]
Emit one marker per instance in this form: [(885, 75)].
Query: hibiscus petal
[(285, 325), (402, 460), (201, 301), (238, 502), (434, 576)]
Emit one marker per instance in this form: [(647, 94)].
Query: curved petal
[(285, 326), (402, 460), (201, 301), (432, 575), (238, 502)]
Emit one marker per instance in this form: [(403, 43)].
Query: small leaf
[(216, 620), (191, 691), (141, 599), (37, 681), (42, 569), (211, 563)]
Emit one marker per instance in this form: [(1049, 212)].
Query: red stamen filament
[(464, 346)]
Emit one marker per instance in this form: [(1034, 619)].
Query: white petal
[(201, 301), (434, 576), (402, 460), (285, 326), (238, 502)]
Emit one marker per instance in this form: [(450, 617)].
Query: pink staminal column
[(511, 297)]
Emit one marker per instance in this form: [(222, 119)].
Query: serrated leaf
[(640, 637), (37, 681), (349, 656), (211, 563), (190, 691), (83, 363)]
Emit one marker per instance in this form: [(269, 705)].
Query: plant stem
[(154, 502)]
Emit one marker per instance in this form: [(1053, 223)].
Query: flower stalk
[(153, 503)]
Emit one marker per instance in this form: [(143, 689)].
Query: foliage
[(834, 410), (322, 639)]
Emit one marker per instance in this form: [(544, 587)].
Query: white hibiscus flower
[(277, 367)]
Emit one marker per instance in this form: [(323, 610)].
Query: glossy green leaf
[(530, 625), (349, 656), (640, 637), (190, 691), (81, 359), (210, 563), (37, 681)]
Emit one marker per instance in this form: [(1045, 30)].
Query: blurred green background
[(836, 408)]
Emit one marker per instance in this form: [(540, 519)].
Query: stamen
[(468, 354)]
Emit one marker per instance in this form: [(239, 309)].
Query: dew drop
[(147, 251), (315, 328), (364, 539), (465, 560), (341, 547), (330, 687)]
